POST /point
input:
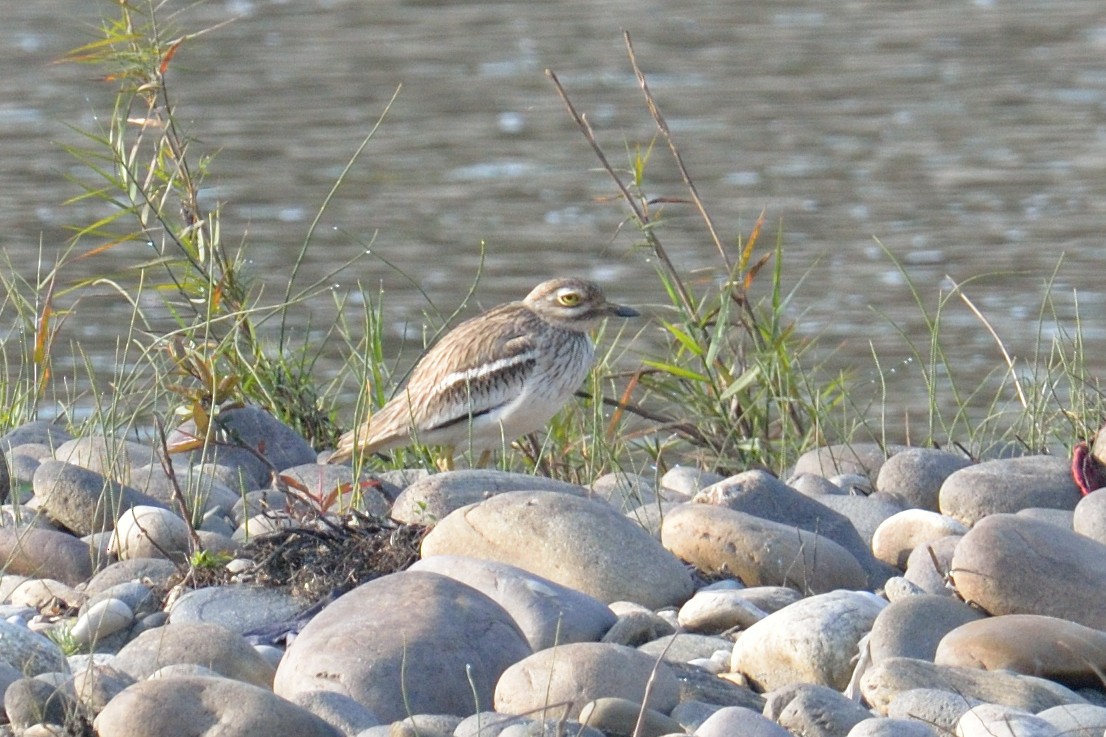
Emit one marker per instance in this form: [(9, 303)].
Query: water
[(968, 138)]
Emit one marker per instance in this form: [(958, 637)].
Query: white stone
[(103, 618)]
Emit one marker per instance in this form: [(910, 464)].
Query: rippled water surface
[(968, 138)]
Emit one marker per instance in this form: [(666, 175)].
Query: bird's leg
[(445, 460)]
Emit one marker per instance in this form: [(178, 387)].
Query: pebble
[(100, 621), (107, 456), (1051, 648), (929, 564), (36, 432), (562, 537), (912, 627), (36, 551), (616, 716), (547, 612), (30, 701), (915, 475), (865, 512), (993, 720), (688, 480), (898, 535), (278, 445), (1089, 518), (429, 500), (29, 652), (83, 500), (866, 459), (892, 676), (884, 727), (765, 497), (813, 711), (96, 684), (210, 706), (814, 486), (1009, 564), (739, 720), (758, 551), (716, 611), (626, 491), (573, 674), (151, 532), (932, 706), (369, 641), (1007, 485), (1076, 720), (207, 645), (814, 640), (636, 626), (237, 608), (683, 647), (338, 710), (149, 571)]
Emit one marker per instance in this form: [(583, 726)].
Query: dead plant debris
[(320, 560)]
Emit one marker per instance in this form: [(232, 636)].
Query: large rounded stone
[(887, 679), (29, 652), (929, 564), (865, 459), (278, 445), (236, 607), (865, 513), (762, 495), (431, 499), (199, 706), (82, 500), (1051, 648), (813, 640), (1076, 720), (810, 709), (912, 627), (916, 474), (412, 642), (731, 721), (1008, 564), (759, 552), (207, 645), (547, 613), (885, 727), (579, 543), (897, 536), (110, 457), (572, 675), (151, 532), (44, 553), (992, 720), (1007, 485), (1089, 518)]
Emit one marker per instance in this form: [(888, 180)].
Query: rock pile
[(905, 592)]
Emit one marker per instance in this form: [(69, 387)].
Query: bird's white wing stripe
[(476, 374)]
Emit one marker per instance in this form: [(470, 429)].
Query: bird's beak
[(622, 311)]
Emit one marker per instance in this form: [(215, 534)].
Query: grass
[(720, 379)]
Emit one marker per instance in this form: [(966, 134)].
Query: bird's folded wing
[(468, 392)]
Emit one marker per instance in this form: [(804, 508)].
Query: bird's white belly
[(530, 411)]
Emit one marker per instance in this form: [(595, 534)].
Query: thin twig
[(643, 218), (662, 125)]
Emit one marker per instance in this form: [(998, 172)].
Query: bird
[(494, 377)]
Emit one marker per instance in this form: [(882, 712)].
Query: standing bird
[(494, 377)]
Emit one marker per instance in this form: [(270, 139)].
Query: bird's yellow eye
[(568, 299)]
